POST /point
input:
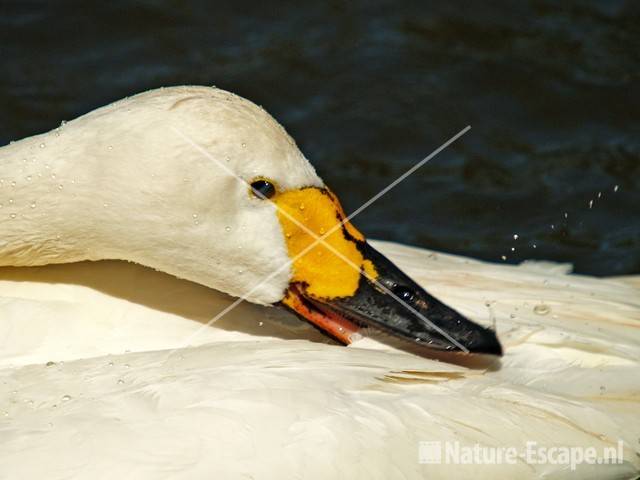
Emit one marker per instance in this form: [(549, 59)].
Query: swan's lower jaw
[(333, 324), (422, 319)]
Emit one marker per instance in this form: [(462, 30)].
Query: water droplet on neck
[(33, 205), (120, 381), (60, 187), (227, 229), (66, 398), (12, 215), (42, 145), (244, 145), (301, 206), (50, 363), (541, 309)]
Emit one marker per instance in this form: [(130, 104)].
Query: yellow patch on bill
[(316, 212)]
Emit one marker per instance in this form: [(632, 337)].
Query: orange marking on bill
[(338, 327)]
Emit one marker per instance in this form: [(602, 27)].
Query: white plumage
[(250, 401)]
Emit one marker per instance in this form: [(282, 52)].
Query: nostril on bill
[(405, 294)]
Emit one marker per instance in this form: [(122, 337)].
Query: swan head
[(207, 186)]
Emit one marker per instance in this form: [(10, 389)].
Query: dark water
[(551, 90)]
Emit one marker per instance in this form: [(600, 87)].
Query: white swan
[(106, 369)]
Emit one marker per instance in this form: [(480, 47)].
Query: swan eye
[(263, 189)]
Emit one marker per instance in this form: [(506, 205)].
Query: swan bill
[(394, 303), (340, 282)]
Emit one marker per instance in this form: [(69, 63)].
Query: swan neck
[(45, 188)]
